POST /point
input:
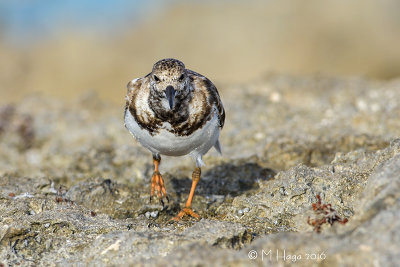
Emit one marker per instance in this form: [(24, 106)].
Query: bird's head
[(168, 79)]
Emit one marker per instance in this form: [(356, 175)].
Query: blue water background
[(32, 20)]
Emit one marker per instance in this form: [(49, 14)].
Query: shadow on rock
[(227, 179)]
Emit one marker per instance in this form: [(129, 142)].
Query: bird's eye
[(182, 77), (156, 78)]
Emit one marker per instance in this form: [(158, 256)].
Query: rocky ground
[(74, 185)]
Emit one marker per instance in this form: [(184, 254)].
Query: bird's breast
[(167, 141)]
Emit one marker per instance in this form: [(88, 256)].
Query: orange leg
[(157, 182), (187, 210)]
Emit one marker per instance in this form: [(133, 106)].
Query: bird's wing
[(132, 89), (211, 92), (221, 111)]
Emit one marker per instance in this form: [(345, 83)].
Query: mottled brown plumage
[(174, 111), (182, 124)]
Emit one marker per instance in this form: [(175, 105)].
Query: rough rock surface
[(74, 185)]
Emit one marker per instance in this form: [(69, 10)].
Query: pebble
[(243, 211), (147, 214)]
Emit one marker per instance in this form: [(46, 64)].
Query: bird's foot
[(157, 185), (183, 212)]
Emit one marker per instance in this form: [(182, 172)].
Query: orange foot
[(183, 212), (157, 185)]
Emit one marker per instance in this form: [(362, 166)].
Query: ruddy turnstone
[(174, 111)]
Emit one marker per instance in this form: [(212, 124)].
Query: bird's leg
[(157, 182), (187, 210)]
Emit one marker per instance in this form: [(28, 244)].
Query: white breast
[(166, 143)]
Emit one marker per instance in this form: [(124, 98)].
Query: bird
[(174, 111)]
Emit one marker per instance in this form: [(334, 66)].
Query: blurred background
[(68, 47)]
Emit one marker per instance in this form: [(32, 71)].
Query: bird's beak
[(170, 93)]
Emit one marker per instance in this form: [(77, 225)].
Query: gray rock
[(371, 238), (130, 247), (74, 185)]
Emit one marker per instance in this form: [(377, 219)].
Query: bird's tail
[(217, 147)]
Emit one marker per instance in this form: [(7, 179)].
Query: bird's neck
[(159, 105)]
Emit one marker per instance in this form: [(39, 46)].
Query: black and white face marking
[(168, 80)]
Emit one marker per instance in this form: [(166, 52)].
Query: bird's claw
[(157, 186), (185, 211)]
